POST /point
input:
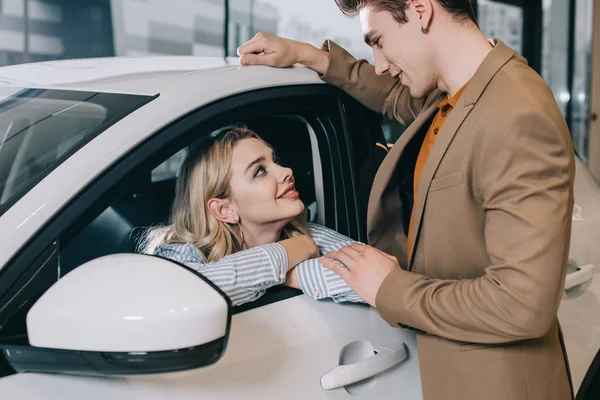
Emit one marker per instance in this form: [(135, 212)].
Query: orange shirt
[(445, 108)]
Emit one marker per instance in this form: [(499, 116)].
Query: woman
[(239, 221)]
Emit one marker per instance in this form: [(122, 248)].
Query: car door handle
[(583, 274), (385, 357)]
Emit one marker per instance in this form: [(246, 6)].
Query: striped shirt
[(246, 275)]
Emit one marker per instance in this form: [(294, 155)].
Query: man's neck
[(459, 54)]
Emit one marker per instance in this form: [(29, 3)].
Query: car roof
[(134, 75)]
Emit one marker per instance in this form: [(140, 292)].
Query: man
[(488, 160)]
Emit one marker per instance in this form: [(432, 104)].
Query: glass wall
[(313, 21), (35, 30), (39, 30), (570, 84), (156, 27), (555, 49), (502, 21), (582, 76), (153, 27)]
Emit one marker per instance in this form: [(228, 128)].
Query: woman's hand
[(298, 249)]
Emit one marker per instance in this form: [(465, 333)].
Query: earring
[(424, 30)]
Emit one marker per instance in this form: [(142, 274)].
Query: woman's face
[(263, 191)]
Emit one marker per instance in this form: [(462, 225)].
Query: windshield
[(40, 128)]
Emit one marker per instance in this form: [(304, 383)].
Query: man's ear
[(222, 210), (424, 9)]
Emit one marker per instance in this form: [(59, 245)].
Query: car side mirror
[(125, 314)]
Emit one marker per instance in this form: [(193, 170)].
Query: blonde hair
[(203, 175)]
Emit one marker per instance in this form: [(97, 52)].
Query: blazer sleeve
[(524, 175), (380, 93)]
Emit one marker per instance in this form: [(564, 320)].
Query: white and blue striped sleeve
[(243, 276), (316, 280)]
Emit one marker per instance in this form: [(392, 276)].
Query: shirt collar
[(451, 101)]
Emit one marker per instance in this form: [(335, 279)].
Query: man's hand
[(366, 268), (274, 51)]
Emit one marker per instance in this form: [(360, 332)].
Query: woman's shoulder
[(181, 252), (322, 234)]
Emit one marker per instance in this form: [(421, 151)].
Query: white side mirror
[(127, 314)]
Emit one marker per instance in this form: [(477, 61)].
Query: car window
[(392, 130), (40, 128), (121, 227), (168, 169)]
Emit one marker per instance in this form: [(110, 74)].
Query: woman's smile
[(289, 193)]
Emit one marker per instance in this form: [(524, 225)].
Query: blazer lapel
[(446, 135), (499, 56)]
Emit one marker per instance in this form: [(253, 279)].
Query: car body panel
[(139, 75), (281, 349)]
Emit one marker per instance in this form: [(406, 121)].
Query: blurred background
[(554, 35)]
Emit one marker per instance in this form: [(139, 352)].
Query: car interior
[(590, 387), (119, 227)]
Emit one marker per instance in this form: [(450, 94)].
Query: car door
[(283, 345), (579, 311)]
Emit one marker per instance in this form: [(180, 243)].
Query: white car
[(88, 154)]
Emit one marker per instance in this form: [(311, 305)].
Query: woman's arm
[(245, 275), (298, 249), (314, 279)]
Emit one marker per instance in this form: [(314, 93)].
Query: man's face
[(400, 50)]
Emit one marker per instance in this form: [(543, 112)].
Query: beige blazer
[(492, 228)]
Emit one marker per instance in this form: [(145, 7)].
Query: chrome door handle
[(385, 357), (583, 274)]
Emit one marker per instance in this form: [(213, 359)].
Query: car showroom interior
[(300, 199)]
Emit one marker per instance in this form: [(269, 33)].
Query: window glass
[(55, 30), (502, 21), (169, 168), (313, 21), (40, 128), (555, 49), (157, 27), (391, 130), (580, 97), (555, 69)]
